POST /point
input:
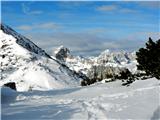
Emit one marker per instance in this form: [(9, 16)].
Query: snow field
[(97, 102)]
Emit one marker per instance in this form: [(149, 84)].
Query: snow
[(8, 95), (10, 40), (105, 101), (54, 91), (121, 59), (58, 49), (29, 66)]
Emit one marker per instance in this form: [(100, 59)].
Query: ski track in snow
[(97, 102)]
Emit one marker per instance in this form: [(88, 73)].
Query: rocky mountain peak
[(61, 53)]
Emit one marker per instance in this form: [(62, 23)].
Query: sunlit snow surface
[(102, 101), (29, 66)]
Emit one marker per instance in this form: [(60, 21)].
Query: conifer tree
[(148, 58)]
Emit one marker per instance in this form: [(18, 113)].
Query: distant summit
[(61, 53), (120, 57)]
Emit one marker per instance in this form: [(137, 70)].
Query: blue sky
[(87, 28)]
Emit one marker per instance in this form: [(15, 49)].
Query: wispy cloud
[(49, 25), (145, 34), (107, 8), (24, 27), (115, 8), (84, 27), (128, 10), (26, 10), (80, 43), (150, 4)]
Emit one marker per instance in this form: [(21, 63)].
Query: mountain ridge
[(30, 67), (105, 58), (23, 41)]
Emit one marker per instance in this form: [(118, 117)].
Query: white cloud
[(24, 27), (150, 4), (49, 25), (79, 43), (90, 44), (128, 10), (26, 10), (107, 8), (115, 8), (139, 35)]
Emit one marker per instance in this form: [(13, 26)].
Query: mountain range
[(107, 61)]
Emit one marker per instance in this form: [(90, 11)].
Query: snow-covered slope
[(139, 101), (29, 66), (22, 41)]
